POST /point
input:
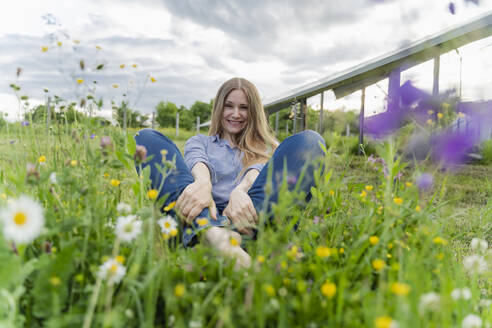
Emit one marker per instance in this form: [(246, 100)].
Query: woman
[(219, 184)]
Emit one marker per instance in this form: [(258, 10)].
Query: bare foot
[(220, 239)]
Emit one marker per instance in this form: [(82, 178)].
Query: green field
[(371, 250)]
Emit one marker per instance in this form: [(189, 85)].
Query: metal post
[(294, 126), (153, 120), (347, 130), (321, 113), (303, 105), (48, 114), (198, 124), (177, 124), (393, 89), (361, 120), (276, 123), (287, 127), (123, 104), (435, 84)]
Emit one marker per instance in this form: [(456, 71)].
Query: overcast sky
[(191, 47)]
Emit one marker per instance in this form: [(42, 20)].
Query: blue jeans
[(298, 152)]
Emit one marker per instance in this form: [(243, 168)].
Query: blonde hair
[(256, 140)]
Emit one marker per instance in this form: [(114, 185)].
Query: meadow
[(377, 246)]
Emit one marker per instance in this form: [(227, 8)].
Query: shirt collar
[(222, 142)]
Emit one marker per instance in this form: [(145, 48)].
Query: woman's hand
[(241, 211), (194, 198)]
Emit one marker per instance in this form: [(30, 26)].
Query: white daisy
[(167, 224), (23, 220), (429, 302), (475, 264), (463, 293), (53, 178), (123, 208), (128, 227), (112, 270), (478, 244), (471, 321)]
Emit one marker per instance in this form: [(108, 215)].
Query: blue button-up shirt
[(223, 161)]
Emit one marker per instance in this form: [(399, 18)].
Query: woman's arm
[(197, 195)]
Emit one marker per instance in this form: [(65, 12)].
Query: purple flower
[(106, 142), (25, 123), (451, 8), (291, 180), (93, 136), (424, 181), (316, 219)]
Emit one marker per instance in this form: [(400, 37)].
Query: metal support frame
[(361, 120)]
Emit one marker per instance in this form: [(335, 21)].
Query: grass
[(368, 246)]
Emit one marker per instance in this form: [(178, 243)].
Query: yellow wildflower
[(106, 174), (378, 264), (323, 251), (440, 256), (76, 41), (80, 81), (179, 290), (55, 281), (461, 115), (152, 193), (202, 221), (398, 200), (331, 192), (170, 206), (439, 240), (98, 48), (59, 43), (373, 240), (292, 252), (383, 322), (408, 184), (173, 232), (73, 162), (269, 290), (120, 259), (44, 48), (42, 159), (134, 65), (418, 208), (233, 242), (440, 115), (369, 188), (329, 289), (260, 259), (115, 85), (363, 194), (400, 289), (430, 122), (152, 79), (79, 277), (3, 196), (341, 250), (115, 182)]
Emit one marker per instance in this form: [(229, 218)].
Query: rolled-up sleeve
[(196, 151), (258, 167)]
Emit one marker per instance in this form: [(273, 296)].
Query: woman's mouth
[(235, 123)]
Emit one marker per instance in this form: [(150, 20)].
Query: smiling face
[(235, 114)]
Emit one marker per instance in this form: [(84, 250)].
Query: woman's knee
[(307, 139), (149, 136)]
